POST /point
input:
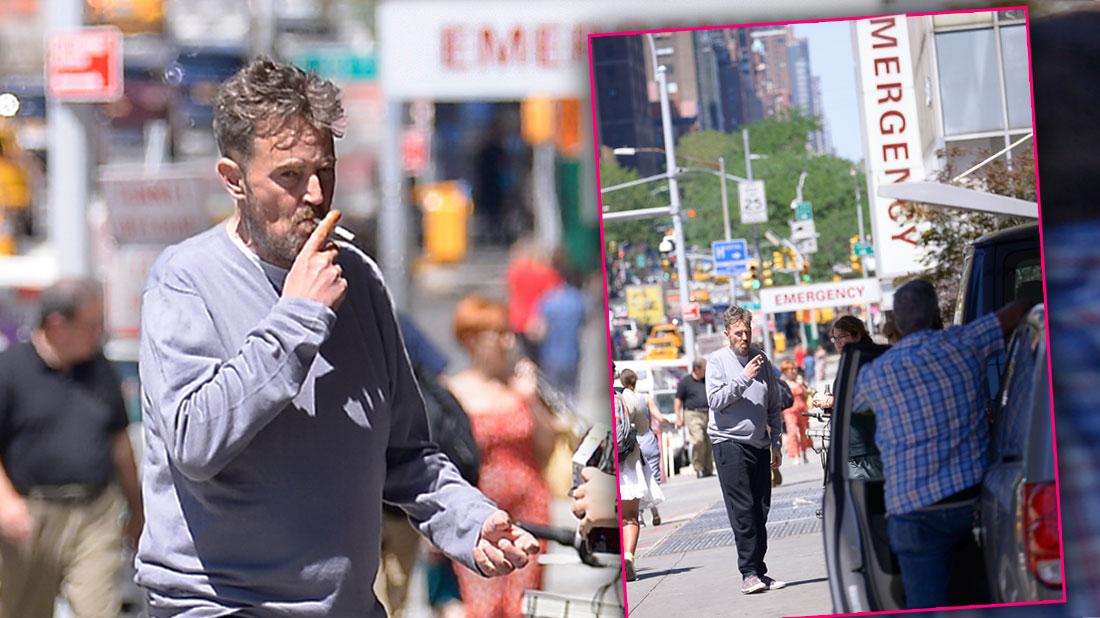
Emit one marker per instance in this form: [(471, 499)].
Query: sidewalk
[(688, 564)]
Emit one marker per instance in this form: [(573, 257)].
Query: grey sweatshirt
[(742, 409), (274, 429)]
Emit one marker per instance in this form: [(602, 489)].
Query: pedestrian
[(690, 406), (797, 424), (529, 276), (556, 327), (846, 330), (515, 434), (800, 357), (809, 371), (746, 418), (926, 393), (67, 463), (637, 490), (819, 363), (280, 407), (643, 414)]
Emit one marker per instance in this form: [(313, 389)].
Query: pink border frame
[(1035, 155)]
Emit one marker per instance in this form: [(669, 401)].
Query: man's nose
[(314, 195)]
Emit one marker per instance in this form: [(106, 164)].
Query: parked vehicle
[(1019, 502), (667, 330), (662, 348), (1020, 550), (632, 335)]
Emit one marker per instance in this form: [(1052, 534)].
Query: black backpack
[(449, 426)]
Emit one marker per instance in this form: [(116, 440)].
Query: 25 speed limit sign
[(754, 206)]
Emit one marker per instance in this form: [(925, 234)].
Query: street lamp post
[(677, 216), (756, 243), (859, 218)]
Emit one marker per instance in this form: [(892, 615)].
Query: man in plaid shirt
[(927, 393)]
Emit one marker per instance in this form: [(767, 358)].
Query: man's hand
[(315, 274), (16, 522), (503, 547), (1013, 313), (777, 457), (752, 369), (823, 401), (679, 421), (594, 500)]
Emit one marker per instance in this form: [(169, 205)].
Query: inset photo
[(827, 320)]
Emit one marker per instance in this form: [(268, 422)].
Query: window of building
[(969, 84), (1017, 90)]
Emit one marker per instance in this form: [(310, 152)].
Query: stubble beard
[(278, 250)]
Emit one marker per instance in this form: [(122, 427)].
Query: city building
[(622, 100), (932, 84)]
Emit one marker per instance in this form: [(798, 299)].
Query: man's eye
[(289, 175)]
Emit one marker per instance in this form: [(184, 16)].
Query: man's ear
[(232, 176)]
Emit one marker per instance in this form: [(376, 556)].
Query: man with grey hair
[(690, 406), (281, 410), (927, 394), (746, 416), (65, 455)]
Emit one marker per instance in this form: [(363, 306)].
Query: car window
[(664, 402), (864, 459), (1013, 416), (1023, 277)]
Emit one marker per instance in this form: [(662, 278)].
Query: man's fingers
[(323, 230), (514, 555), (588, 472), (526, 541), (483, 562), (496, 558)]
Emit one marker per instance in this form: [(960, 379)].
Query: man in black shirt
[(691, 407), (64, 451)]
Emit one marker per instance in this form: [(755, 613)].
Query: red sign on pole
[(691, 312), (85, 65), (414, 151)]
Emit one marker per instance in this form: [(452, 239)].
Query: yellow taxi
[(666, 330), (662, 348)]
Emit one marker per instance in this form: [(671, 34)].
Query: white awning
[(938, 194)]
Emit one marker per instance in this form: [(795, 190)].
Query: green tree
[(948, 232), (829, 186)]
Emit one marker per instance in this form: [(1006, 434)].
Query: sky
[(832, 60)]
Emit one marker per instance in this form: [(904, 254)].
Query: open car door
[(863, 572)]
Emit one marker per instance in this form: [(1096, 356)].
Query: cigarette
[(340, 232)]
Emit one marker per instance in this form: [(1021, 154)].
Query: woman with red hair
[(797, 425), (515, 433)]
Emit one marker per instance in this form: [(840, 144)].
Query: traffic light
[(857, 266), (767, 274), (806, 270), (751, 279), (665, 266), (778, 259)]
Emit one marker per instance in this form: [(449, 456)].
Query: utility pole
[(726, 222), (859, 218), (70, 138), (756, 243), (677, 217)]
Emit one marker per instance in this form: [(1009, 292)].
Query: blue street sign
[(730, 256), (730, 269), (736, 250)]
